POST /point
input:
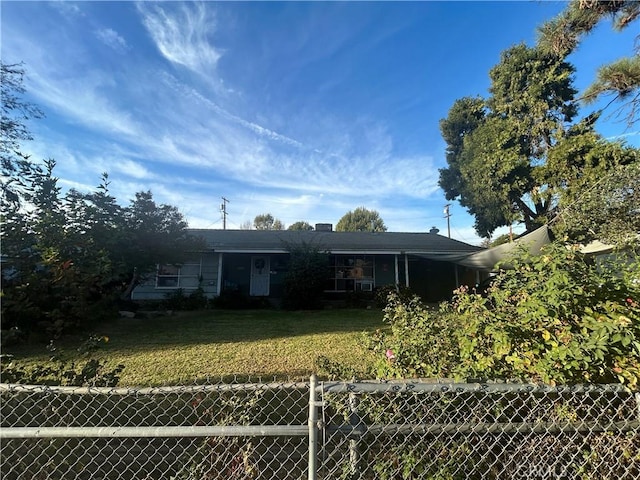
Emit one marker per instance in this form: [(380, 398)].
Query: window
[(351, 273), (178, 276)]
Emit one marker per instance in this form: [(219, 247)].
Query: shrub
[(381, 294), (60, 371), (305, 280), (232, 299), (557, 318), (178, 300)]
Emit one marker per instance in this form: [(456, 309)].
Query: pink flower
[(390, 355)]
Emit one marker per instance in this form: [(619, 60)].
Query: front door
[(260, 276)]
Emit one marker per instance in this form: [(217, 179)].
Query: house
[(255, 262)]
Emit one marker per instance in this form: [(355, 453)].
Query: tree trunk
[(133, 283)]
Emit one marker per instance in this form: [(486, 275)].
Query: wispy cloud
[(183, 34), (624, 135), (186, 91), (79, 99), (67, 9), (112, 39)]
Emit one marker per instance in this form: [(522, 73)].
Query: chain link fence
[(324, 430)]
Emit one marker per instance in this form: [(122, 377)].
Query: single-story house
[(255, 262)]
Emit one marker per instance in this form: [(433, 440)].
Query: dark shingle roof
[(274, 241)]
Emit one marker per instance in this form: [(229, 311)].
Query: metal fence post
[(354, 443), (313, 428)]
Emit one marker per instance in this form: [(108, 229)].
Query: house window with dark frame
[(178, 276), (351, 273)]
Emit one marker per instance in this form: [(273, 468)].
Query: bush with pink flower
[(557, 318)]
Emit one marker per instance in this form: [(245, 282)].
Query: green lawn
[(191, 346)]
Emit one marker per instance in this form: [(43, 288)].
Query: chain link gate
[(325, 430)]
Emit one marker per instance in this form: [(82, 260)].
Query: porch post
[(219, 281), (397, 273), (406, 270)]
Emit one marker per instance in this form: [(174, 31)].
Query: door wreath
[(259, 264)]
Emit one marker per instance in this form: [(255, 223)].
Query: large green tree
[(619, 79), (266, 221), (72, 256), (513, 155), (361, 220)]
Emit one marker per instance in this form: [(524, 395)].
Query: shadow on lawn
[(224, 326)]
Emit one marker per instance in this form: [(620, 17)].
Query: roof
[(275, 241)]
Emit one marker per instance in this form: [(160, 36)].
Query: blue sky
[(303, 110)]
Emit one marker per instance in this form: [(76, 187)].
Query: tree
[(70, 256), (607, 211), (301, 225), (154, 234), (621, 78), (361, 220), (73, 256), (511, 156), (15, 112), (265, 221)]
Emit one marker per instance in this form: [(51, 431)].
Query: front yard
[(188, 347)]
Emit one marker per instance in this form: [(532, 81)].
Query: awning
[(487, 259), (533, 242)]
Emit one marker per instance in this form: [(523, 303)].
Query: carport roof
[(276, 241)]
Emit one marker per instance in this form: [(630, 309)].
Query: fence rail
[(320, 430)]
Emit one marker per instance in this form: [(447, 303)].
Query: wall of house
[(203, 273)]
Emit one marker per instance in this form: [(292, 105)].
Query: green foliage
[(266, 221), (497, 147), (621, 78), (401, 292), (61, 371), (516, 155), (13, 131), (178, 300), (301, 225), (606, 211), (72, 256), (305, 279), (361, 220), (420, 342), (557, 318)]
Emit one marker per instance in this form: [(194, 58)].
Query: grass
[(193, 346)]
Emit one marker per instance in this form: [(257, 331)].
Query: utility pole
[(447, 215), (223, 209)]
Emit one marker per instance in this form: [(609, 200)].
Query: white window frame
[(181, 278), (341, 272)]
